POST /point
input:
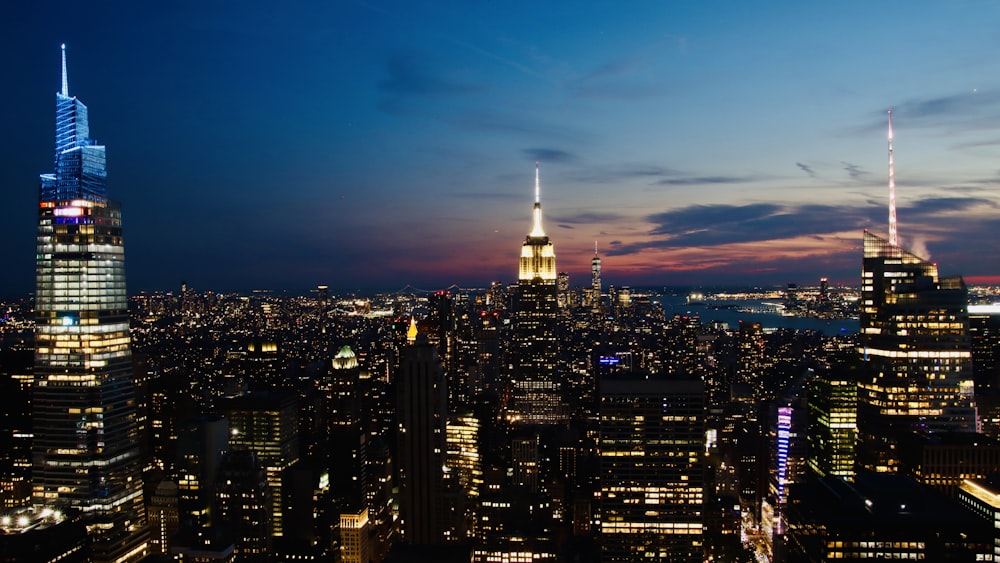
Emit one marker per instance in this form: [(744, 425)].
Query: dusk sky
[(370, 145)]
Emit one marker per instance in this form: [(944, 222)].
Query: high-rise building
[(595, 276), (267, 423), (652, 469), (917, 353), (201, 444), (536, 398), (163, 517), (562, 285), (915, 344), (422, 411), (244, 501), (833, 425), (86, 450)]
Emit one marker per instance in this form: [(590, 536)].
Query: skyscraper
[(595, 280), (833, 425), (652, 468), (915, 346), (422, 410), (536, 397), (917, 353), (85, 451), (267, 423)]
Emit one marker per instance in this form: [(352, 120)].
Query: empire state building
[(536, 398), (85, 454)]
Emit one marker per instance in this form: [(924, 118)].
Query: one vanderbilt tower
[(85, 451), (536, 398)]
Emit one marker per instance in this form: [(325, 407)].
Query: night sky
[(368, 144)]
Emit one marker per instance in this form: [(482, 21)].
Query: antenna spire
[(65, 76), (536, 227), (892, 189), (595, 248), (538, 189)]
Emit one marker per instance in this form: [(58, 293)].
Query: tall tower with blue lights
[(536, 398), (85, 454)]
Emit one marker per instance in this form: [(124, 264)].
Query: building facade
[(652, 469), (86, 435), (536, 398), (917, 353), (422, 442)]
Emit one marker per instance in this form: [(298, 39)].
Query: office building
[(85, 450), (880, 517), (422, 444), (244, 500), (595, 281), (652, 469), (916, 350), (536, 398), (201, 444), (267, 423), (833, 425)]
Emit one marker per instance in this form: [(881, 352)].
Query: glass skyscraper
[(917, 353), (86, 448)]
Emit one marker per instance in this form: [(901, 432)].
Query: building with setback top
[(86, 443), (536, 398)]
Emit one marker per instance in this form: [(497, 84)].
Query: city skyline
[(367, 146)]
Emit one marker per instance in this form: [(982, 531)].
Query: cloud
[(413, 73), (522, 68), (937, 205), (485, 195), (976, 144), (542, 154), (563, 226), (953, 113), (588, 218), (714, 225), (704, 180), (615, 173), (487, 120), (959, 104), (853, 170), (807, 169)]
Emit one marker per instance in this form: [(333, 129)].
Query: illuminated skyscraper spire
[(892, 189), (86, 430), (595, 280), (536, 228), (536, 398), (65, 76)]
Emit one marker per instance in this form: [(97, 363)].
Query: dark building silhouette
[(267, 424), (244, 500), (421, 407), (201, 444), (880, 517)]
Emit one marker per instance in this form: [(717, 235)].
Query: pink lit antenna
[(892, 189)]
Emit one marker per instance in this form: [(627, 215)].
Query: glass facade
[(86, 448), (833, 425), (916, 349)]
